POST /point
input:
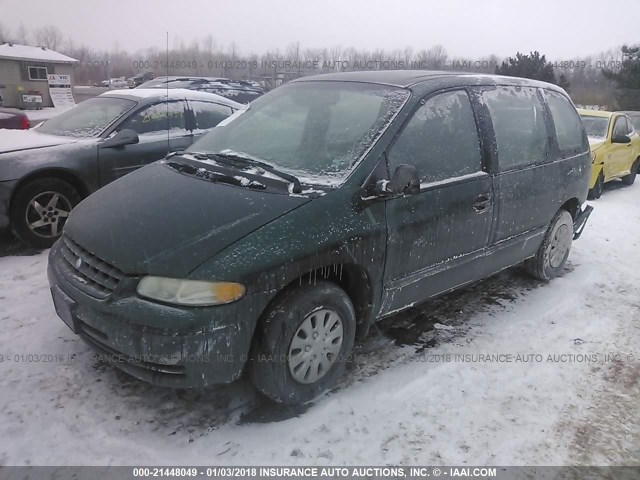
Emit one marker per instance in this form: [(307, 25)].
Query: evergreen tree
[(627, 79), (532, 66)]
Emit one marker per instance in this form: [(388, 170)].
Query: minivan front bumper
[(169, 346)]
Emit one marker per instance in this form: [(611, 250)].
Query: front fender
[(318, 240), (79, 159)]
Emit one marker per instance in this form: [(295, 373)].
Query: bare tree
[(434, 57), (49, 36), (335, 53), (209, 44), (22, 35), (4, 34), (407, 55), (438, 55), (293, 51), (350, 56), (589, 85), (233, 51), (68, 46)]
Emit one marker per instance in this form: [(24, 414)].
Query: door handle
[(481, 202)]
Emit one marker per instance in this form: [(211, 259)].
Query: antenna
[(167, 83)]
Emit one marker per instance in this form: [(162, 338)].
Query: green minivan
[(274, 242)]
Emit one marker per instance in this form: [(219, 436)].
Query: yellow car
[(615, 148)]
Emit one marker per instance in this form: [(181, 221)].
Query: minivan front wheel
[(303, 343), (554, 250)]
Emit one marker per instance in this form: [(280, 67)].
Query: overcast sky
[(561, 29)]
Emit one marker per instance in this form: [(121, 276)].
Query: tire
[(554, 250), (55, 199), (629, 179), (279, 365), (596, 191)]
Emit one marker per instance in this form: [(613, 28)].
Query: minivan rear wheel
[(554, 250), (629, 179), (40, 209), (303, 343)]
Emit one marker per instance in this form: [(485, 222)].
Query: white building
[(24, 69)]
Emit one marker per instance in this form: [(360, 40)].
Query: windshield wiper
[(215, 176), (244, 159)]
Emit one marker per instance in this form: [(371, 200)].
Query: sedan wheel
[(47, 213), (40, 209)]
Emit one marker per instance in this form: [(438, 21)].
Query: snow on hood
[(16, 140), (595, 142)]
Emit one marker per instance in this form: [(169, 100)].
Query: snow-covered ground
[(440, 384)]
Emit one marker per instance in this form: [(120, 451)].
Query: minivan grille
[(87, 272)]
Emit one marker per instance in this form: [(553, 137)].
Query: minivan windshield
[(89, 118), (315, 130), (595, 126)]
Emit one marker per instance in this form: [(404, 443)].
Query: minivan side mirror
[(123, 137), (621, 139), (405, 181)]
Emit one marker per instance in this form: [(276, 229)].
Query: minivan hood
[(17, 140), (158, 221)]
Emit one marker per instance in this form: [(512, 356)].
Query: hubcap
[(560, 244), (46, 214), (315, 346)]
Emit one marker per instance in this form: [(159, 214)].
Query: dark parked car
[(13, 120), (237, 90), (333, 201), (46, 171), (139, 79)]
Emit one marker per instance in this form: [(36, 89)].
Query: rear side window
[(208, 114), (567, 124), (519, 125), (157, 119), (440, 140)]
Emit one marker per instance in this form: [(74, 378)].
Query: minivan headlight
[(190, 292)]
